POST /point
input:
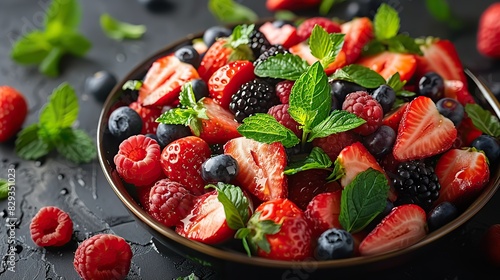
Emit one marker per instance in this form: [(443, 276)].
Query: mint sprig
[(266, 129), (239, 42), (282, 66), (132, 85), (317, 159), (4, 189), (386, 22), (120, 30), (229, 11), (235, 204), (338, 121), (360, 75), (325, 46), (363, 199), (54, 130), (483, 119)]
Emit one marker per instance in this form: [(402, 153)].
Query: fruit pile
[(322, 139)]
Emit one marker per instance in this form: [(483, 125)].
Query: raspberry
[(148, 116), (169, 202), (334, 143), (51, 226), (305, 28), (103, 256), (280, 113), (283, 90), (366, 107), (138, 160)]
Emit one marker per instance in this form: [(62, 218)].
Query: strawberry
[(290, 235), (388, 63), (148, 116), (354, 159), (261, 167), (220, 125), (291, 5), (488, 33), (216, 56), (404, 226), (226, 80), (393, 118), (456, 89), (305, 28), (334, 143), (490, 245), (51, 226), (468, 132), (462, 175), (206, 222), (305, 185), (164, 80), (181, 161), (13, 111), (323, 211), (303, 50), (286, 35), (423, 131), (358, 32)]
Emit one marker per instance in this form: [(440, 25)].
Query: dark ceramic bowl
[(229, 261)]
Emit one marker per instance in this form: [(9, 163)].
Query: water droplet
[(64, 191), (4, 213), (40, 162), (61, 176), (19, 248), (5, 160), (81, 182), (121, 57), (14, 165)]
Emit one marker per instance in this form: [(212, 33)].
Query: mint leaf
[(310, 100), (483, 119), (266, 129), (65, 13), (191, 276), (4, 189), (186, 96), (316, 159), (363, 199), (235, 204), (50, 64), (61, 111), (337, 173), (403, 44), (360, 75), (132, 85), (29, 145), (337, 121), (285, 15), (440, 10), (326, 5), (229, 11), (32, 48), (176, 116), (386, 22), (120, 30), (325, 46), (241, 35), (76, 146), (75, 43), (282, 66), (395, 82)]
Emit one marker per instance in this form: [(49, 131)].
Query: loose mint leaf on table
[(337, 121), (30, 145), (120, 30), (76, 145), (229, 11), (483, 119), (316, 159), (61, 111), (266, 129), (235, 204), (282, 66), (360, 75), (363, 199), (4, 189), (440, 10)]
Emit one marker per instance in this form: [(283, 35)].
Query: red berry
[(148, 116), (488, 41), (305, 185), (490, 243), (323, 212), (358, 33), (226, 80), (280, 113), (283, 90), (305, 28), (51, 226), (169, 202), (138, 160), (334, 143), (13, 110), (103, 257), (366, 107)]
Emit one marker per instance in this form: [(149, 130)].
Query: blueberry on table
[(215, 32), (124, 122), (452, 109), (100, 84), (167, 133), (431, 85), (189, 55), (442, 214), (220, 168), (489, 145), (334, 244), (386, 96)]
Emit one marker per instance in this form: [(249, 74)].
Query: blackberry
[(271, 51), (255, 96), (416, 183), (258, 43)]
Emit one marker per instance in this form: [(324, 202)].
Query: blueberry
[(152, 136), (334, 244), (215, 32), (124, 122), (381, 141), (442, 214), (452, 109), (188, 54), (386, 96), (100, 84), (200, 88), (167, 133), (489, 145), (340, 89), (220, 168), (431, 85)]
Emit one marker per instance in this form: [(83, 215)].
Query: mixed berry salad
[(310, 139)]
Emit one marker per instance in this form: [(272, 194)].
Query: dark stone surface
[(84, 193)]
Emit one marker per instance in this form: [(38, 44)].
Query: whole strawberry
[(488, 34), (13, 111)]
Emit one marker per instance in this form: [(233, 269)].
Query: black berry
[(431, 85), (215, 32), (452, 109), (340, 89), (386, 96), (489, 145), (442, 214)]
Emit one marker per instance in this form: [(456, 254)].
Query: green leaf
[(64, 12), (186, 96), (61, 111), (75, 43), (29, 145), (310, 100), (229, 11), (50, 64), (316, 159), (76, 146), (326, 5), (337, 121), (256, 232), (395, 82), (176, 116), (441, 11), (325, 46), (235, 204), (373, 47), (282, 66), (266, 129), (403, 43), (483, 119), (31, 48), (191, 276), (337, 173), (120, 30), (360, 75), (285, 15), (132, 85), (4, 189), (241, 35), (386, 22), (363, 199)]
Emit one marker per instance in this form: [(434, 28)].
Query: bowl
[(229, 262)]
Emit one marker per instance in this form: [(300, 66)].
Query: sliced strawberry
[(261, 167), (423, 131), (164, 80), (206, 222), (358, 32), (354, 159), (388, 63), (393, 118), (220, 126), (291, 5), (148, 116), (305, 185), (216, 56), (226, 80), (456, 89), (323, 211), (303, 50), (462, 175), (285, 35), (404, 226)]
